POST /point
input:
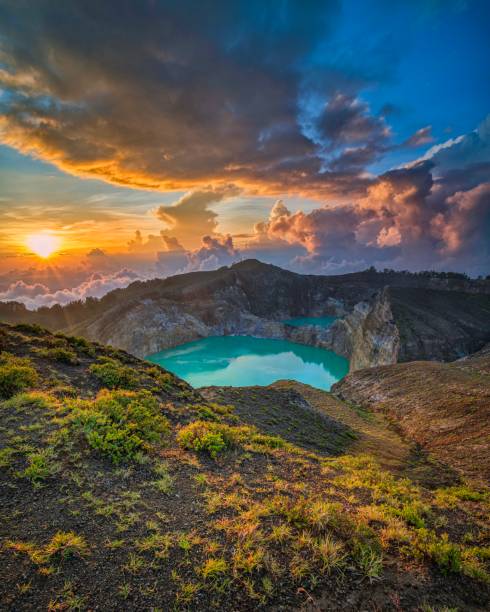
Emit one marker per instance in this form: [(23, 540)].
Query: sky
[(143, 138)]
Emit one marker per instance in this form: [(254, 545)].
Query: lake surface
[(318, 321), (240, 361)]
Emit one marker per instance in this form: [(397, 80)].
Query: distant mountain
[(384, 317)]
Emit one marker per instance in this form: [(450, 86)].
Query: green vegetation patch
[(113, 374), (16, 374), (215, 438), (59, 353), (63, 544), (120, 424)]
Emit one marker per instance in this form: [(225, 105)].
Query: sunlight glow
[(43, 244)]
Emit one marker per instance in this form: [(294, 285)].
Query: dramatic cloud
[(36, 295), (173, 96), (152, 244), (190, 216), (415, 217), (215, 251)]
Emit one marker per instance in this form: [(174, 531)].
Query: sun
[(43, 244)]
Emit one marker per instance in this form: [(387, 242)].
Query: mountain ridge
[(383, 317)]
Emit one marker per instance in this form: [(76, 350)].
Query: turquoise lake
[(240, 361), (318, 321)]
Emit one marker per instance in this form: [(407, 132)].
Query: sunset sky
[(140, 138)]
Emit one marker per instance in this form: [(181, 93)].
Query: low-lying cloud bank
[(38, 295)]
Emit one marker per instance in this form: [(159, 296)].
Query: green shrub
[(209, 437), (120, 424), (164, 380), (59, 353), (450, 496), (81, 344), (30, 328), (413, 514), (16, 374), (265, 441), (113, 374), (30, 400)]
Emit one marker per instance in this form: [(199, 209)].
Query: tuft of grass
[(157, 543), (213, 568), (165, 482), (16, 374), (369, 560), (40, 466), (330, 553), (134, 564), (63, 545)]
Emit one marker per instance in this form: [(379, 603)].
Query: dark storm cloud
[(163, 94)]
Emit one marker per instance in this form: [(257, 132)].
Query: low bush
[(30, 400), (212, 438), (30, 328), (444, 553), (113, 374), (120, 424), (451, 496), (82, 345), (16, 374), (59, 353)]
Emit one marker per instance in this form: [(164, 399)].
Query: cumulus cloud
[(152, 244), (471, 149), (408, 218), (96, 253), (190, 215), (37, 294), (215, 251)]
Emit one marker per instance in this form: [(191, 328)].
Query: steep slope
[(123, 488), (444, 407), (385, 317)]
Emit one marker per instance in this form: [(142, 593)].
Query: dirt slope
[(443, 407)]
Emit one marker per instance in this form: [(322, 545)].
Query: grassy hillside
[(123, 488)]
